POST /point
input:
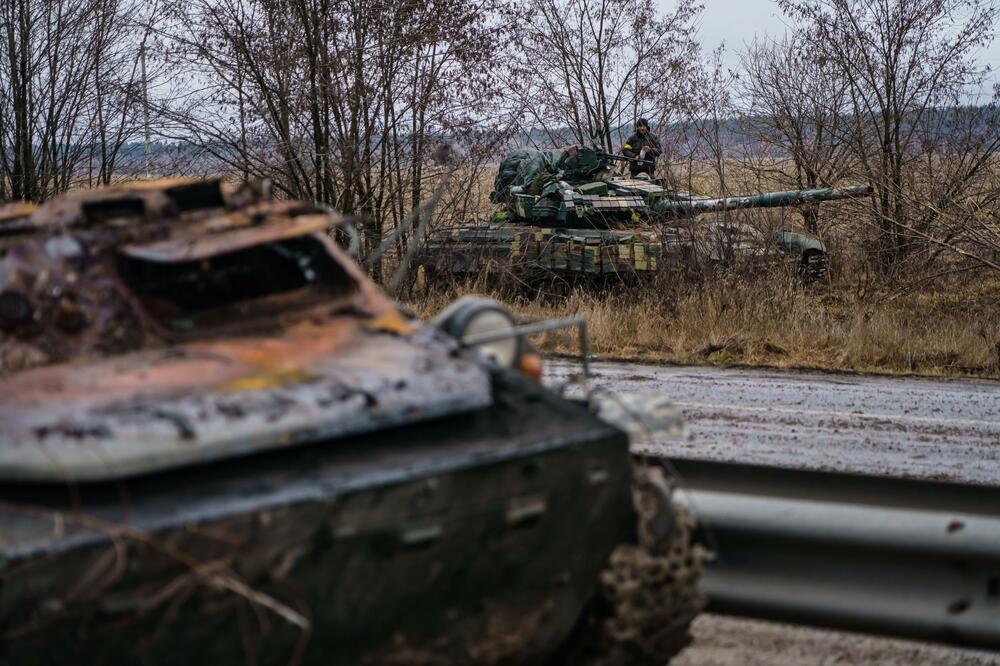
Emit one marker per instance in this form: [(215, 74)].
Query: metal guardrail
[(914, 559)]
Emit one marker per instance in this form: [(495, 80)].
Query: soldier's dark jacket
[(633, 146)]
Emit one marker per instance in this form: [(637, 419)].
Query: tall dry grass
[(771, 319)]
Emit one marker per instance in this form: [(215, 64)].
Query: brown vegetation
[(773, 320)]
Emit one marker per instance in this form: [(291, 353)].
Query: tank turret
[(566, 212)]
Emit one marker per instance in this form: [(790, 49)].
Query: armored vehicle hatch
[(183, 322)]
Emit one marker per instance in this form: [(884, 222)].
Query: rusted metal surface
[(170, 200), (14, 216), (178, 322), (64, 296), (200, 401), (224, 234)]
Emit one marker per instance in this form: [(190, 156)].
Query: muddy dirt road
[(727, 641), (917, 428)]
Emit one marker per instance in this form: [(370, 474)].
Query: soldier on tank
[(644, 148)]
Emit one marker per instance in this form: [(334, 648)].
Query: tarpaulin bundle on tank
[(521, 168)]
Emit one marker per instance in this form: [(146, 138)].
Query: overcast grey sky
[(736, 22)]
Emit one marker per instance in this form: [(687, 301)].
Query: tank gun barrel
[(691, 207)]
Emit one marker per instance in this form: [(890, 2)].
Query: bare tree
[(340, 101), (903, 62), (711, 116), (594, 66), (795, 114), (952, 187), (68, 91)]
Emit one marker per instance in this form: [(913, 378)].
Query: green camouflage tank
[(567, 213)]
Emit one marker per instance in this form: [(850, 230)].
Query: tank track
[(649, 591)]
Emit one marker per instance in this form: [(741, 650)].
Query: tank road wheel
[(813, 265), (652, 587), (649, 591)]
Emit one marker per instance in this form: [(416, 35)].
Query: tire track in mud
[(909, 427)]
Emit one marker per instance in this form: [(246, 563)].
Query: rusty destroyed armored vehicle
[(566, 214), (222, 443)]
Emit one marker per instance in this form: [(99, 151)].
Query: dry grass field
[(773, 320)]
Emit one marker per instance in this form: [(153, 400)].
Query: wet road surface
[(916, 428), (728, 641), (907, 427)]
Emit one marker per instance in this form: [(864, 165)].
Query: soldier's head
[(642, 126)]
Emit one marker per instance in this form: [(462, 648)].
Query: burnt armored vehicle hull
[(475, 540), (567, 215), (223, 443)]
